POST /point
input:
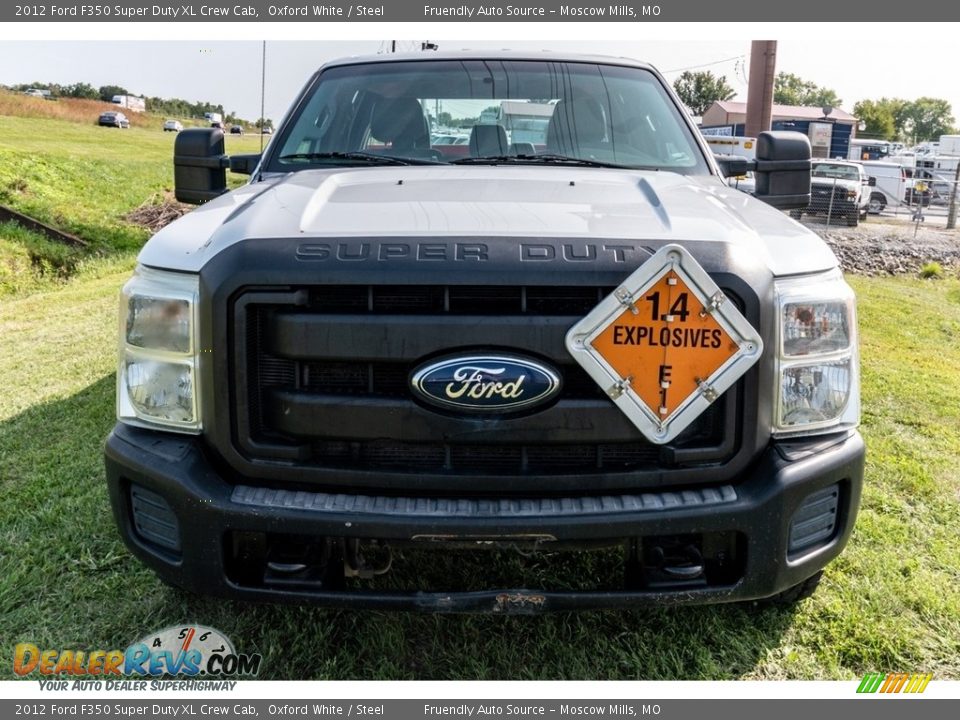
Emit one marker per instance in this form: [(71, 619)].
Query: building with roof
[(830, 135)]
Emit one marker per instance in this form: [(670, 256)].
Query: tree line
[(910, 121), (172, 107)]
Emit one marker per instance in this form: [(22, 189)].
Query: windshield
[(833, 171), (447, 111)]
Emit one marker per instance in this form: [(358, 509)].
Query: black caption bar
[(859, 11), (224, 707)]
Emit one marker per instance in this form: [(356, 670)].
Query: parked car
[(838, 188), (113, 119), (172, 126), (236, 130), (266, 131)]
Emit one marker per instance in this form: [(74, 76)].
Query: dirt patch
[(157, 213)]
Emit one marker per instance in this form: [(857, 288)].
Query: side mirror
[(872, 182), (244, 164), (199, 165), (783, 169), (733, 165)]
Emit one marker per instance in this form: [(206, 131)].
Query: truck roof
[(547, 55)]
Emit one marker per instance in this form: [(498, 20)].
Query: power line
[(703, 65)]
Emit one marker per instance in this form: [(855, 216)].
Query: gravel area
[(890, 247)]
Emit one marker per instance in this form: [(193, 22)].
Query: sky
[(229, 73)]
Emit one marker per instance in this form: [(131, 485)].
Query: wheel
[(877, 204), (796, 214), (853, 219), (800, 591)]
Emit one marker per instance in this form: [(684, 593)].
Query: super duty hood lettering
[(460, 251)]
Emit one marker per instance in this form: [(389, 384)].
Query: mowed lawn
[(890, 602), (84, 180)]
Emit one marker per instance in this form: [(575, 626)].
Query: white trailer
[(131, 102), (950, 144)]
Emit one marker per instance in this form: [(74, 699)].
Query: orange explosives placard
[(665, 344)]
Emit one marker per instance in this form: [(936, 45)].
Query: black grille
[(820, 196), (382, 384)]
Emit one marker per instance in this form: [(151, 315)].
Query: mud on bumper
[(790, 514)]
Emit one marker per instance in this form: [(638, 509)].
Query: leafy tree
[(699, 90), (790, 89), (917, 120), (926, 118), (108, 91), (879, 117), (80, 90)]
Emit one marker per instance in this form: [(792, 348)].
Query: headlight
[(157, 378), (818, 371)]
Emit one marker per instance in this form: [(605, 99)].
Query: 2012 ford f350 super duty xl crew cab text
[(566, 334)]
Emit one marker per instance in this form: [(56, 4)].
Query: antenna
[(263, 89)]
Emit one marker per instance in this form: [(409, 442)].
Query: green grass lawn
[(81, 179), (891, 601)]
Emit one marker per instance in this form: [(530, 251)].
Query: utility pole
[(952, 213), (763, 66)]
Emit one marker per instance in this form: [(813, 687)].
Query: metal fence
[(931, 200)]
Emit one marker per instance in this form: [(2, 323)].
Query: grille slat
[(484, 459), (457, 299)]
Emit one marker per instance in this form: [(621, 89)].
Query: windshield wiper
[(371, 158), (545, 159)]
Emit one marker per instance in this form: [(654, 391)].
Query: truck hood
[(491, 202)]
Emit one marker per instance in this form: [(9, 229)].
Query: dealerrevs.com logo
[(182, 650)]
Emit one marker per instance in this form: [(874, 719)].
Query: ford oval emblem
[(485, 383)]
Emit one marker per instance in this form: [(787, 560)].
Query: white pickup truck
[(583, 340), (839, 189)]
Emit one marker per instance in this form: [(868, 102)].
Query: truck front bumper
[(200, 529)]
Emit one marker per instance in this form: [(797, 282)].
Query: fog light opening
[(814, 524)]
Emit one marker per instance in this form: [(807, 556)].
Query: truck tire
[(853, 219), (877, 205), (800, 591), (796, 214)]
